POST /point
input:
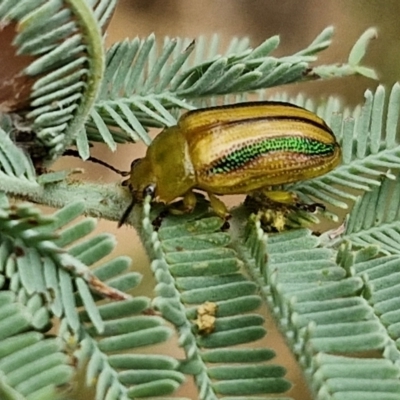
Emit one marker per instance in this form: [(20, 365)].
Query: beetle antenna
[(74, 153), (126, 213)]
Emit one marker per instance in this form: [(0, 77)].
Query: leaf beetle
[(233, 149)]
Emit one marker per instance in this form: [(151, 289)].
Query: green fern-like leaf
[(38, 266), (67, 66), (381, 276), (318, 304), (194, 266), (374, 220), (16, 170), (49, 279), (32, 366), (113, 357)]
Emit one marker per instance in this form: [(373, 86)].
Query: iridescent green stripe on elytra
[(249, 152)]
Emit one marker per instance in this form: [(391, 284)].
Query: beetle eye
[(149, 190), (134, 162)]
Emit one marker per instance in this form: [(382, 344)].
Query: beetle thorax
[(167, 165)]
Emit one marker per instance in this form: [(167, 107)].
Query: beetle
[(233, 149)]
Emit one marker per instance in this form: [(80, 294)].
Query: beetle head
[(141, 178), (141, 183)]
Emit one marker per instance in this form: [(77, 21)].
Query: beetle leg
[(189, 203), (157, 221), (218, 206), (281, 196), (290, 199)]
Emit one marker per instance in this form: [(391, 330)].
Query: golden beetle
[(233, 149)]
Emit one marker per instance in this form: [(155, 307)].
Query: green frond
[(316, 301), (144, 85), (117, 372), (352, 378), (65, 43), (195, 267), (382, 280), (32, 366), (16, 169), (374, 219), (114, 362), (45, 263), (353, 66), (34, 262), (103, 11), (369, 148)]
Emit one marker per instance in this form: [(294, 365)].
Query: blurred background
[(297, 23)]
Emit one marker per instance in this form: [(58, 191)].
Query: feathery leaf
[(321, 312), (65, 73), (31, 364), (211, 303), (374, 219)]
